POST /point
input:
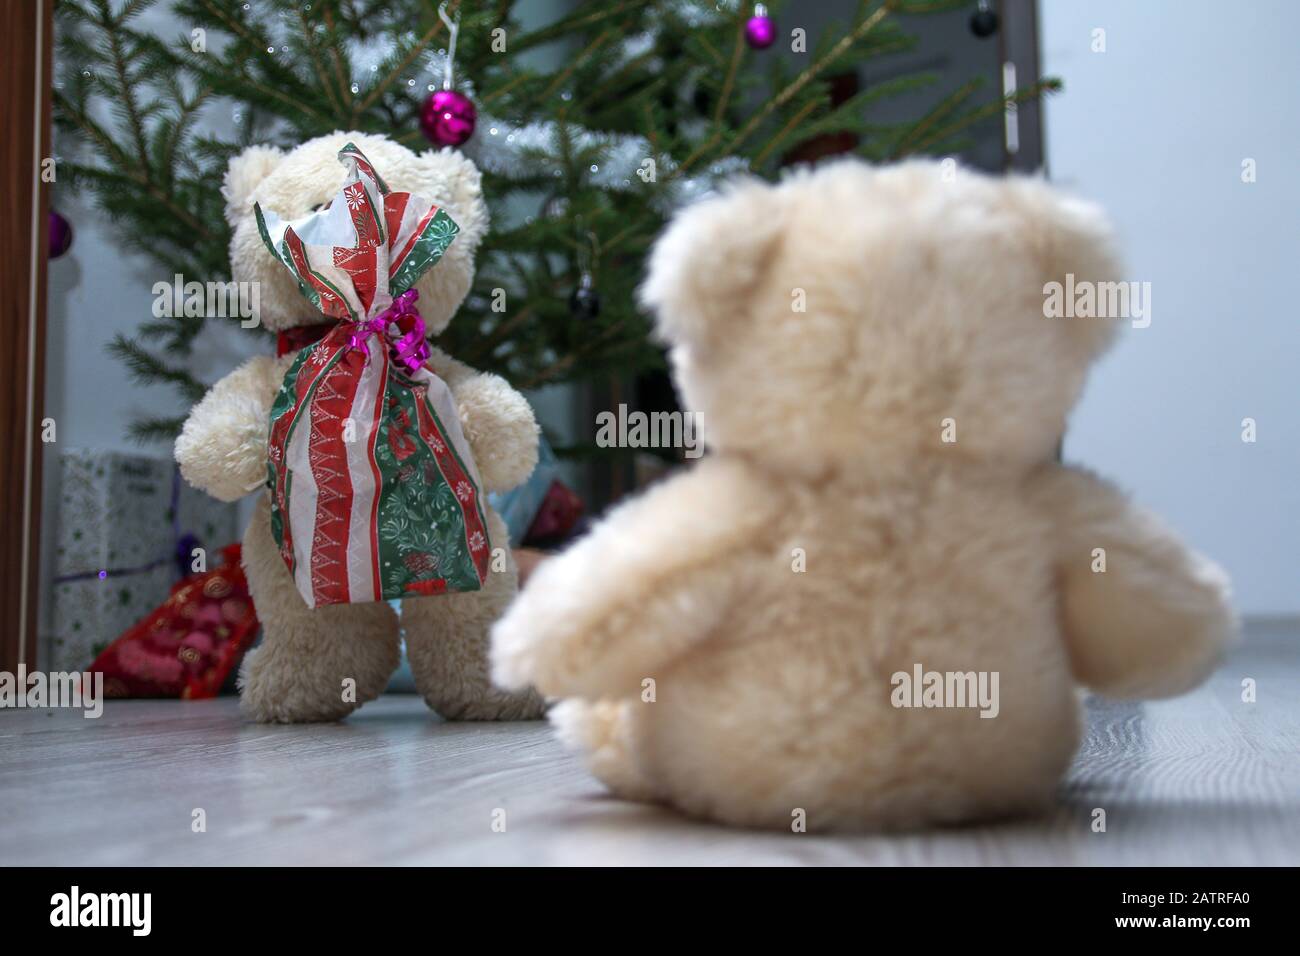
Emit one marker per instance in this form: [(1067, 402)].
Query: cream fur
[(310, 175), (498, 422), (447, 643), (222, 446), (244, 174), (297, 673), (772, 688)]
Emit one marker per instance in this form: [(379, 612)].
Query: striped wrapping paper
[(374, 493)]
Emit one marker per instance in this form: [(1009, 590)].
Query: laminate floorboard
[(1206, 779)]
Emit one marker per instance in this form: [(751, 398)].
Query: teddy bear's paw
[(539, 662), (320, 666), (501, 430), (222, 446), (548, 641), (602, 730), (227, 460), (269, 695), (496, 705), (515, 656)]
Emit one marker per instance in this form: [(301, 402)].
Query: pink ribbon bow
[(408, 343)]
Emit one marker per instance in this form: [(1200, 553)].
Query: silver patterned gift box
[(121, 521)]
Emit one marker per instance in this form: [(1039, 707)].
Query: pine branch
[(112, 28), (155, 430), (318, 67), (785, 132), (729, 84), (420, 46), (147, 369), (936, 115), (562, 77), (575, 23), (818, 67), (139, 175), (681, 82), (506, 88), (336, 59), (1036, 91)]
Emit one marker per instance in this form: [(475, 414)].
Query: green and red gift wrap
[(374, 492)]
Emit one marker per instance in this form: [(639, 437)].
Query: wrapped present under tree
[(127, 530)]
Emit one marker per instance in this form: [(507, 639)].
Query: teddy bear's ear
[(710, 260), (464, 189), (1068, 236), (245, 172), (452, 180)]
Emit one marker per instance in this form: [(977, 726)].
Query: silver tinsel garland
[(523, 151), (517, 152)]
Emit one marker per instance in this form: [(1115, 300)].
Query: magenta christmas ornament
[(448, 117), (760, 29)]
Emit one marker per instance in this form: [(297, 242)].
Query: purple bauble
[(760, 29), (60, 238), (448, 118)]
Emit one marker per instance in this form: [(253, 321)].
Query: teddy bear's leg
[(447, 643), (301, 671), (602, 730)]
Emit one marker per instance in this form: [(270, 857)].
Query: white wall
[(1156, 128)]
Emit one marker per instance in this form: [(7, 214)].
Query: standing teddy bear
[(360, 437), (871, 604)]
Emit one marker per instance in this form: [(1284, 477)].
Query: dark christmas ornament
[(760, 29), (984, 22), (584, 302), (702, 102), (186, 545), (60, 238), (448, 117)]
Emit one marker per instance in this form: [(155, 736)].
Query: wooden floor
[(1206, 779)]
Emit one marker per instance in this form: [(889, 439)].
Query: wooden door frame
[(26, 54)]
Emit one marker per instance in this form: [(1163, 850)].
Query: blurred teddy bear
[(871, 604)]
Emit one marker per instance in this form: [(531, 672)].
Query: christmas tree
[(585, 155)]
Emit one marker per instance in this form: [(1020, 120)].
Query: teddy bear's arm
[(649, 582), (222, 446), (1144, 615), (498, 422)]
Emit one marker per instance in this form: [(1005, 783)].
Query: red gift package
[(188, 646)]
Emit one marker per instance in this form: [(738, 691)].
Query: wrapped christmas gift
[(189, 645), (127, 530), (374, 493)]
